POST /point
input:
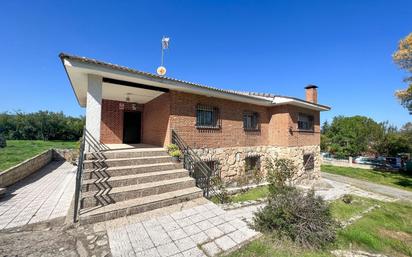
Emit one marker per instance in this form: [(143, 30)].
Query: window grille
[(207, 117), (251, 121), (309, 161), (305, 122)]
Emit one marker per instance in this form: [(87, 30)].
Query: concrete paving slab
[(45, 195)]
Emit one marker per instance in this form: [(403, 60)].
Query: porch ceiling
[(120, 92), (111, 91)]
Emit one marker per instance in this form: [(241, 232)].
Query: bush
[(175, 153), (172, 148), (302, 217), (347, 198), (290, 212), (218, 185), (3, 142)]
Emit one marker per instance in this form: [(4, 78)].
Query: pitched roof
[(256, 96)]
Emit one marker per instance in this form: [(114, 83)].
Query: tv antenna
[(161, 70)]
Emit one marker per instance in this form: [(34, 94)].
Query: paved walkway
[(202, 230), (45, 195), (376, 188)]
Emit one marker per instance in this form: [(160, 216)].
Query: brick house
[(232, 131)]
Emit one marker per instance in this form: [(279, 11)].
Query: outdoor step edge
[(139, 201), (138, 175), (128, 188)]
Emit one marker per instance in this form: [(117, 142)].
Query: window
[(207, 117), (252, 163), (251, 121), (305, 122), (309, 161)]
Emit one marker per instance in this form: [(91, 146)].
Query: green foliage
[(41, 125), (220, 186), (303, 217), (347, 198), (251, 194), (175, 153), (385, 230), (403, 58), (399, 180), (172, 148), (258, 176), (353, 136), (280, 174), (3, 142), (20, 150), (350, 136)]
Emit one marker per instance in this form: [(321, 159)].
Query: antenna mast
[(161, 70)]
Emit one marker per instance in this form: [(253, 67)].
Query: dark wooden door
[(132, 123)]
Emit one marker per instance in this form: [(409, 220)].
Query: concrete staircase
[(124, 182)]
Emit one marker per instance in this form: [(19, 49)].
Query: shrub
[(280, 174), (218, 185), (3, 142), (347, 198), (172, 148), (175, 153), (258, 176), (303, 217), (290, 212)]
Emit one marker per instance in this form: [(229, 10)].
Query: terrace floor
[(43, 196)]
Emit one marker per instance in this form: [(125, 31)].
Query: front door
[(131, 127)]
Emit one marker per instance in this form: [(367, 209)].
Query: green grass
[(17, 151), (342, 211), (386, 230), (251, 194), (399, 180)]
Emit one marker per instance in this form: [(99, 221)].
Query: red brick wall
[(111, 128), (300, 138), (278, 125), (156, 121), (183, 111)]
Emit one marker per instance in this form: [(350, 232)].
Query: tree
[(403, 58), (350, 136)]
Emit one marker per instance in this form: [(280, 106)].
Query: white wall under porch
[(93, 111)]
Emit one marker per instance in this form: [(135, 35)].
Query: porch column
[(93, 112)]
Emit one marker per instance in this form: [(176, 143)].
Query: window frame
[(306, 157), (310, 122), (258, 164), (201, 123), (254, 122)]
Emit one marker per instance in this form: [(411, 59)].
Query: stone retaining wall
[(231, 160), (29, 166), (24, 169)]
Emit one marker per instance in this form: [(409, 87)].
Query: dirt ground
[(57, 240)]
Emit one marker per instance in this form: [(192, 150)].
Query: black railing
[(94, 148), (79, 175), (205, 177)]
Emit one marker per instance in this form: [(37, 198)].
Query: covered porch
[(122, 112)]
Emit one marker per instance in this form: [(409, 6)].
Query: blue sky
[(344, 47)]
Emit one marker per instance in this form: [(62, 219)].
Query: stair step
[(126, 154), (113, 195), (92, 164), (138, 205), (129, 170), (134, 179)]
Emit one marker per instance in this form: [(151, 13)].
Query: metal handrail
[(79, 175), (191, 161)]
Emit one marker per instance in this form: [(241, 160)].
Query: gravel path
[(376, 188)]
